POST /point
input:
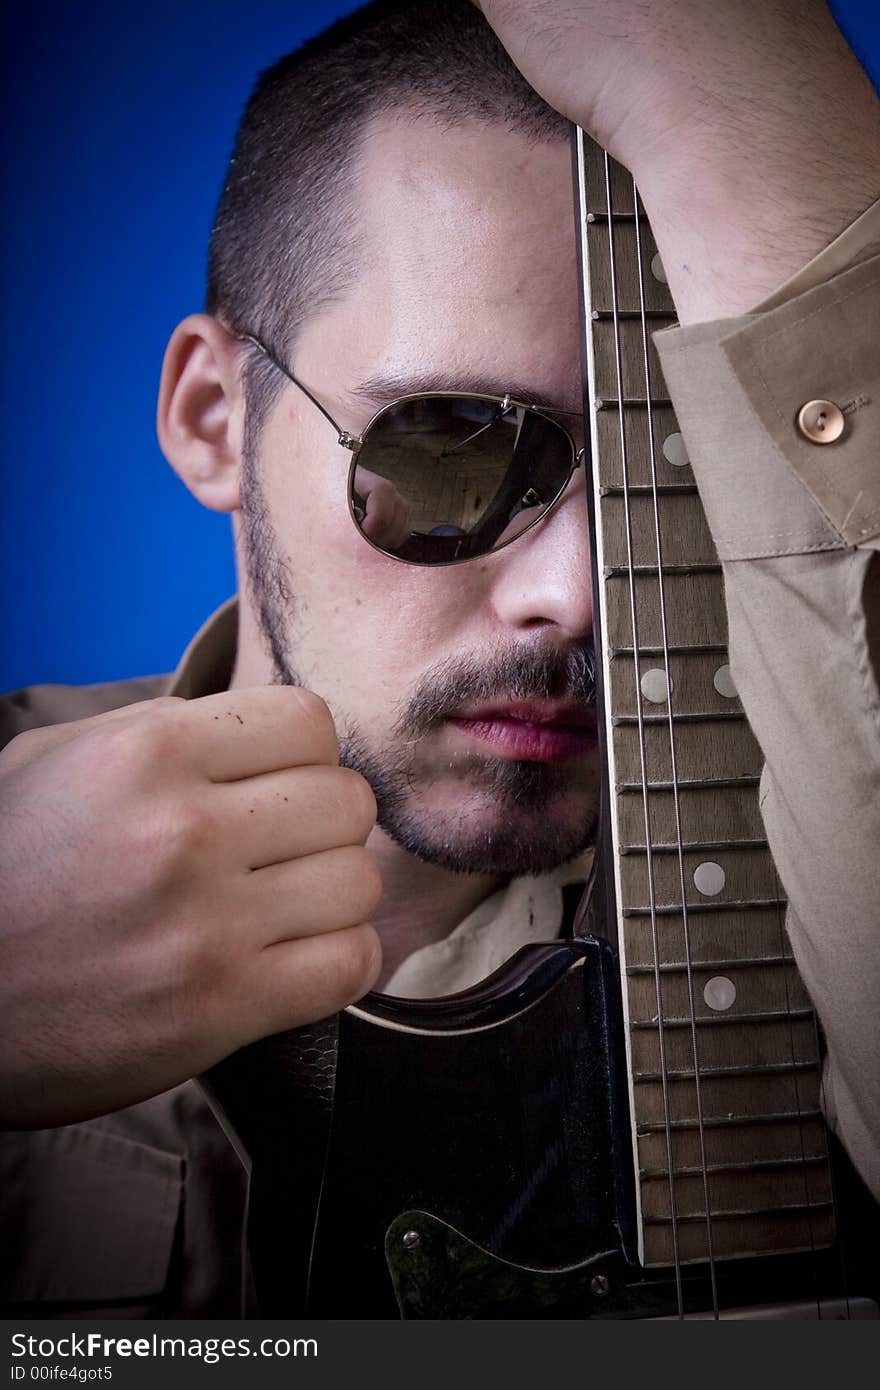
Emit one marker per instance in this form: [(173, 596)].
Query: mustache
[(512, 674)]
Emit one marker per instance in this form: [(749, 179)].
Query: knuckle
[(177, 838), (313, 709), (22, 749), (165, 702), (358, 960), (192, 828), (358, 801), (136, 749), (367, 880)]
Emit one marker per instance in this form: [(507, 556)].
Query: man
[(397, 220)]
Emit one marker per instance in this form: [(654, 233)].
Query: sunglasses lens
[(446, 478)]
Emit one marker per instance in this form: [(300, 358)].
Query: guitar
[(627, 1121)]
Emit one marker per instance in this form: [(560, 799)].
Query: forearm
[(751, 128), (769, 166)]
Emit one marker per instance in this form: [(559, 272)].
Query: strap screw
[(599, 1285), (411, 1239)]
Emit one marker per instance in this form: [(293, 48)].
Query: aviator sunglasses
[(447, 476)]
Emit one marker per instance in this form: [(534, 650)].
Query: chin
[(481, 815), (502, 842)]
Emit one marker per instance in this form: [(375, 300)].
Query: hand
[(751, 129), (177, 879), (386, 515)]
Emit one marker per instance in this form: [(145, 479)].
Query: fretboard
[(722, 1043)]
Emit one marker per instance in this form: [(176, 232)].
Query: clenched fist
[(177, 879)]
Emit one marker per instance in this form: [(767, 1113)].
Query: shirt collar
[(524, 910), (206, 666)]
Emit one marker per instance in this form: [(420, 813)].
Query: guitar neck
[(722, 1045)]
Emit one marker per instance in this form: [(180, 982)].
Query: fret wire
[(725, 963), (642, 752), (696, 846), (712, 716), (645, 490), (735, 905), (632, 402), (606, 217), (724, 1020), (771, 1117), (664, 628), (759, 1069), (618, 571), (689, 649), (602, 315), (750, 1166), (785, 1209), (693, 784)]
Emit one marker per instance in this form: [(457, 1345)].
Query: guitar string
[(649, 858), (672, 753)]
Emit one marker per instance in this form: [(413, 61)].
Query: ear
[(200, 417)]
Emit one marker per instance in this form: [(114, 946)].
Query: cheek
[(387, 621), (364, 628), (377, 627)]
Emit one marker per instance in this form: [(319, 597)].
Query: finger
[(250, 732), (324, 892), (297, 982), (282, 816), (402, 526), (373, 524)]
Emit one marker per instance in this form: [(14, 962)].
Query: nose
[(543, 577)]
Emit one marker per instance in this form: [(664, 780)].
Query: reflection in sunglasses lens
[(447, 478)]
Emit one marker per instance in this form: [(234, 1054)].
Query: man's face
[(462, 693)]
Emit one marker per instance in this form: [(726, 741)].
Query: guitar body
[(477, 1167), (470, 1160), (626, 1123), (505, 1128)]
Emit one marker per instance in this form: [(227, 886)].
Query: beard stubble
[(512, 816)]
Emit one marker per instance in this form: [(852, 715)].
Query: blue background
[(116, 128)]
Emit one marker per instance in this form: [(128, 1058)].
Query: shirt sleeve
[(796, 521)]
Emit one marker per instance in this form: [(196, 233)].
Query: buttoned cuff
[(769, 484)]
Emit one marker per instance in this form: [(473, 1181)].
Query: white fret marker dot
[(675, 451), (723, 683), (657, 269), (719, 993), (654, 686), (709, 879)]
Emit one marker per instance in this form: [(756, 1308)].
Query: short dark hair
[(282, 247)]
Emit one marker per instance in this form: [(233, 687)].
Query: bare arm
[(750, 127)]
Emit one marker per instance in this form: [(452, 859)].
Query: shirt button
[(820, 421)]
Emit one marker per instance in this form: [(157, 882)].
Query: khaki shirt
[(141, 1213)]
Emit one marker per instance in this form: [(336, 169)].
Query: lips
[(538, 731)]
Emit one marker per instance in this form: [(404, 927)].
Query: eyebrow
[(380, 390)]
